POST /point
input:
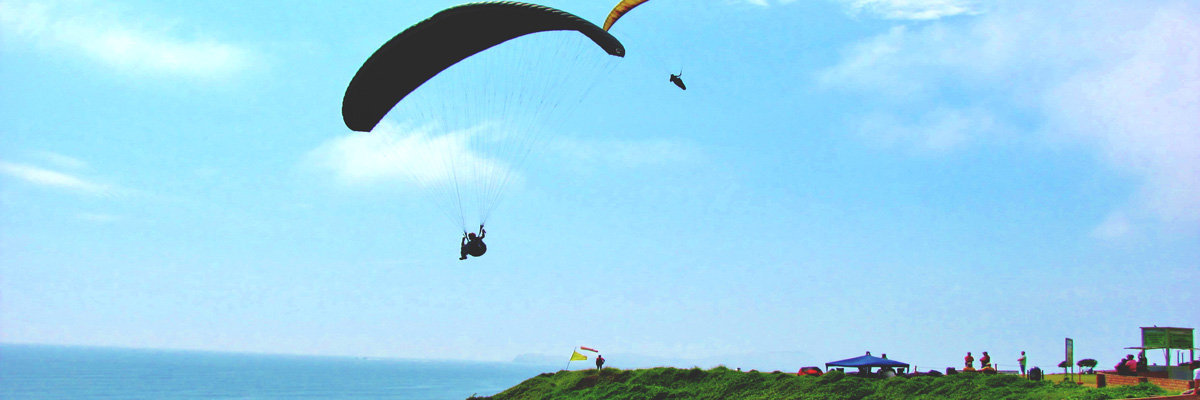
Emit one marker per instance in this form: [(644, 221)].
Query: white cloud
[(438, 165), (895, 9), (114, 40), (939, 130), (1141, 109), (766, 3), (99, 218), (860, 66), (1117, 77), (45, 177), (1115, 226), (395, 153), (913, 9), (61, 161)]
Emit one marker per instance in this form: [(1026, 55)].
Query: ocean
[(53, 372)]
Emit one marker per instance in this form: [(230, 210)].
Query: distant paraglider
[(620, 10), (677, 79)]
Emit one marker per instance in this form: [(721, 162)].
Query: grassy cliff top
[(723, 383)]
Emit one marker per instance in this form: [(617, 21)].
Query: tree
[(1088, 363)]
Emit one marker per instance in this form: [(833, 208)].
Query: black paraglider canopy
[(425, 49)]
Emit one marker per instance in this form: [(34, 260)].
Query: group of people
[(1129, 366), (985, 362)]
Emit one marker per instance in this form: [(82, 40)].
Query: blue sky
[(911, 177)]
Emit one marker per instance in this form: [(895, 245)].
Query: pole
[(570, 359)]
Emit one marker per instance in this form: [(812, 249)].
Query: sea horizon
[(259, 353), (41, 371)]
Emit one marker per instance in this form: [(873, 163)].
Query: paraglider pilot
[(472, 244), (678, 80)]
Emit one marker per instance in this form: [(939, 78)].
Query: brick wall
[(1174, 385), (1103, 380)]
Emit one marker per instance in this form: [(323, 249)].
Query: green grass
[(723, 383), (1087, 380)]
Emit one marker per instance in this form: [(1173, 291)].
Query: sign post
[(1166, 339), (1071, 358)]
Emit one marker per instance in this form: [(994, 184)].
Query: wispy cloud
[(422, 157), (1141, 108), (99, 218), (913, 9), (860, 69), (55, 179), (938, 130), (766, 3), (1128, 87), (61, 161), (417, 155), (1115, 226), (118, 41)]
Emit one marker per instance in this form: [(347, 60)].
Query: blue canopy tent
[(866, 362)]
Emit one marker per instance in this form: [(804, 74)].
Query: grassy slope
[(723, 383)]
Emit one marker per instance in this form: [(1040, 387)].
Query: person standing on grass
[(599, 361), (1022, 362)]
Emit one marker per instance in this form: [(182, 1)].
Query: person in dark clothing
[(472, 244), (1123, 366), (599, 361), (1131, 364)]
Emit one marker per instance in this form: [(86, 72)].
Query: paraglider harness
[(472, 244), (677, 79)]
